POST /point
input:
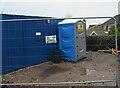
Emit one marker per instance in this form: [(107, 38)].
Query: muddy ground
[(97, 66)]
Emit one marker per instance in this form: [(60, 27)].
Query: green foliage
[(112, 30)]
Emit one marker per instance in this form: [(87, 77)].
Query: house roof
[(93, 33), (98, 30), (111, 21), (91, 26)]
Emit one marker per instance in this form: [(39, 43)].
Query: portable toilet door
[(72, 39)]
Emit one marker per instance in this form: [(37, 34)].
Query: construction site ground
[(97, 66)]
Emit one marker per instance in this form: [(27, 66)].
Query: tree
[(112, 30)]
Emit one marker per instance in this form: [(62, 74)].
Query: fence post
[(117, 27)]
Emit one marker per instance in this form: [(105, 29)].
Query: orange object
[(113, 51)]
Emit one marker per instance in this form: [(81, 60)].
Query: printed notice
[(51, 39), (38, 33)]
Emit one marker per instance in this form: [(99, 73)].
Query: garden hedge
[(95, 43)]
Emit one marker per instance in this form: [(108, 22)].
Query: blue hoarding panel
[(66, 41), (0, 44), (24, 42), (12, 44)]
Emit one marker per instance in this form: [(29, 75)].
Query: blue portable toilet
[(72, 39)]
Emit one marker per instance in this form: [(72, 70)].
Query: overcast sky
[(61, 8)]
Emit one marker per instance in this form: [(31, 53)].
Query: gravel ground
[(97, 66)]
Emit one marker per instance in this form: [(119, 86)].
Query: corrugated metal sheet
[(21, 46)]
